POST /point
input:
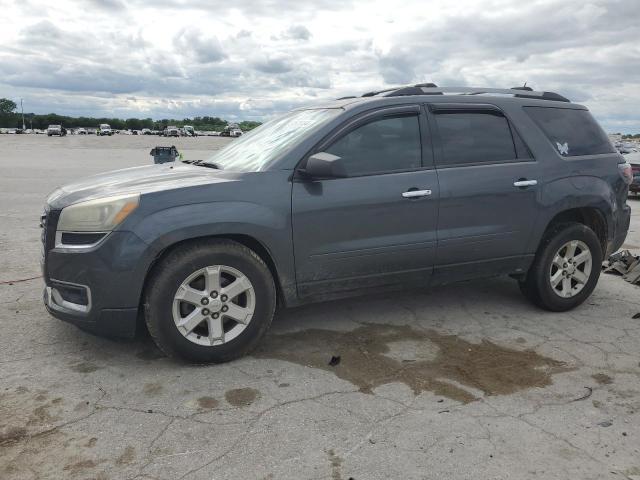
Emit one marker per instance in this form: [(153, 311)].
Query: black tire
[(537, 285), (172, 270)]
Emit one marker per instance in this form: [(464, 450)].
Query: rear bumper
[(622, 228)]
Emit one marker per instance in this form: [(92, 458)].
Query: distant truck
[(231, 130), (171, 131), (58, 130), (105, 129)]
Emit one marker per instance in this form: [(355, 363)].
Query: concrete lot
[(459, 382)]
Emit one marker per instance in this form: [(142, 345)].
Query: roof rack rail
[(432, 89), (414, 90), (526, 92)]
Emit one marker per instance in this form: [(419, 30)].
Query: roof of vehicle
[(429, 92)]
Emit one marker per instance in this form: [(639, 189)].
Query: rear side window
[(474, 138), (572, 132), (384, 145)]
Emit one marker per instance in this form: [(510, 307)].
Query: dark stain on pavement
[(336, 465), (84, 367), (241, 397), (127, 456), (602, 379), (422, 360), (150, 354), (152, 389), (207, 403), (12, 434), (78, 467)]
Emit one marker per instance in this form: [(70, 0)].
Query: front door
[(377, 226)]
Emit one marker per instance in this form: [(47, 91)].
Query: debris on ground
[(626, 264), (585, 396), (636, 316), (335, 360), (606, 423)]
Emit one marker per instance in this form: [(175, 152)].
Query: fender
[(569, 193), (164, 228)]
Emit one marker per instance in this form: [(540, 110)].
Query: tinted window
[(474, 137), (388, 144), (572, 132)]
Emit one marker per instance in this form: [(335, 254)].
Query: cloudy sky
[(249, 59)]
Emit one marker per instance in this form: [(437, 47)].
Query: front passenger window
[(385, 145)]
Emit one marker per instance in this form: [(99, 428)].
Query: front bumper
[(97, 289), (109, 322)]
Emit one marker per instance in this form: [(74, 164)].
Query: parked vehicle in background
[(231, 130), (146, 131), (171, 131), (189, 131), (339, 200), (634, 161), (56, 130), (105, 130), (81, 131)]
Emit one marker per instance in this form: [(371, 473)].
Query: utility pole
[(22, 108)]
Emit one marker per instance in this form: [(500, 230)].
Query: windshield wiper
[(202, 163)]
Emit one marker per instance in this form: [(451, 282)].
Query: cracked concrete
[(77, 406)]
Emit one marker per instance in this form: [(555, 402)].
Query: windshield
[(255, 150)]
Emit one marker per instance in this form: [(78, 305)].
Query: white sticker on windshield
[(563, 148)]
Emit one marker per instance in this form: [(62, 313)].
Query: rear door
[(489, 184), (377, 227)]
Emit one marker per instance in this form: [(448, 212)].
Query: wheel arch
[(592, 217), (248, 241)]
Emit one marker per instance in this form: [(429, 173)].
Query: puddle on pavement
[(374, 355)]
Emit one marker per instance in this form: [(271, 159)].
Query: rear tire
[(218, 337), (566, 268)]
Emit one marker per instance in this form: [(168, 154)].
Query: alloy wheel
[(213, 305), (570, 269)]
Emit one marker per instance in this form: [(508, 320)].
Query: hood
[(147, 179)]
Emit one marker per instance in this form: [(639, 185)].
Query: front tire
[(209, 301), (566, 268)]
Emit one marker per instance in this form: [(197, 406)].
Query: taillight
[(626, 172)]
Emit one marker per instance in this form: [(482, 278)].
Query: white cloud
[(252, 58)]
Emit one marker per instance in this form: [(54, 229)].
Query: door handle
[(416, 193), (525, 183)]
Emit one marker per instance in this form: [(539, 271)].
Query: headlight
[(100, 215)]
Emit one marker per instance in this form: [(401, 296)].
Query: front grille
[(48, 224)]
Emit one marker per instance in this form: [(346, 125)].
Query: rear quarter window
[(572, 132)]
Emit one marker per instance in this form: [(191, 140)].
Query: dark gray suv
[(407, 187)]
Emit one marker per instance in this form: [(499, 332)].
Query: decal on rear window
[(563, 148)]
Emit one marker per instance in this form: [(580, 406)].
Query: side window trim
[(427, 158), (434, 109)]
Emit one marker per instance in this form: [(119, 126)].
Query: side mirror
[(325, 165)]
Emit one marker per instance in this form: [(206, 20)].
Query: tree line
[(9, 118)]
